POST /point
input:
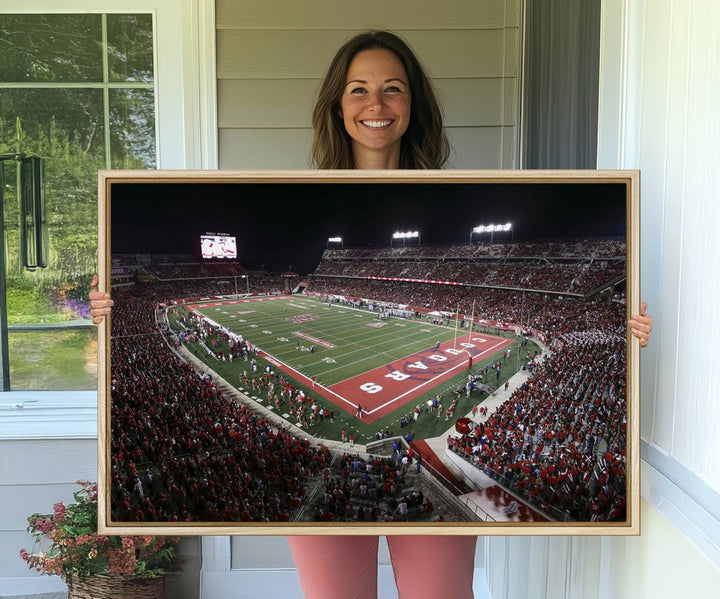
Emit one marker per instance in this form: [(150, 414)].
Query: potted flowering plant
[(94, 565)]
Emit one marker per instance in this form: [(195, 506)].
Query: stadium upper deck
[(580, 268), (581, 250)]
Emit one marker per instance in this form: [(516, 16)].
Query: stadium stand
[(559, 441), (182, 451)]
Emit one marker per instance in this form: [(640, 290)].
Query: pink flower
[(59, 512), (43, 526), (128, 543), (121, 562), (53, 565), (24, 555)]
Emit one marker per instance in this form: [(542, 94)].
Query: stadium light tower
[(406, 236), (492, 229), (334, 240), (247, 281)]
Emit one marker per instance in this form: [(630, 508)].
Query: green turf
[(359, 348)]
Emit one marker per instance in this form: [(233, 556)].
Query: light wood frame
[(630, 179)]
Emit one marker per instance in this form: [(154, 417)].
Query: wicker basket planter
[(116, 587)]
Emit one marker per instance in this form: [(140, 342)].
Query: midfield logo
[(299, 318)]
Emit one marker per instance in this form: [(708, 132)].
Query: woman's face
[(375, 106)]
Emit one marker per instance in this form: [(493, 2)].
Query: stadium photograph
[(382, 353)]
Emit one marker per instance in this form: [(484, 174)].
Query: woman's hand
[(100, 302), (641, 325)]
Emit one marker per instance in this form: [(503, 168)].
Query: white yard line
[(308, 379)]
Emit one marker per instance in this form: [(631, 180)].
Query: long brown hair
[(424, 144)]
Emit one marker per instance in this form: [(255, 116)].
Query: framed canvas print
[(368, 352)]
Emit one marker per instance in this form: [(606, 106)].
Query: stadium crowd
[(370, 490), (577, 278), (205, 270), (578, 268), (180, 450), (559, 440), (580, 249)]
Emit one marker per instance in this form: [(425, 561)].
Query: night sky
[(285, 226)]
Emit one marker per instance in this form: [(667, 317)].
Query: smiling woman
[(364, 105), (375, 108)]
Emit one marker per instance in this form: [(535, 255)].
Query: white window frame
[(186, 131)]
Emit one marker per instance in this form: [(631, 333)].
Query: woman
[(376, 75), (377, 110)]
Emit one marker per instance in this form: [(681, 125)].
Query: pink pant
[(345, 567)]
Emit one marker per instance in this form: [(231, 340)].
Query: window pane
[(132, 128), (38, 48), (53, 122), (65, 128), (52, 343), (130, 48), (56, 359)]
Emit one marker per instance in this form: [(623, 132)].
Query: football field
[(350, 356)]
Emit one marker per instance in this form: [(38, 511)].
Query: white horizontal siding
[(269, 54), (250, 149), (351, 14), (52, 461), (19, 501), (475, 147)]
